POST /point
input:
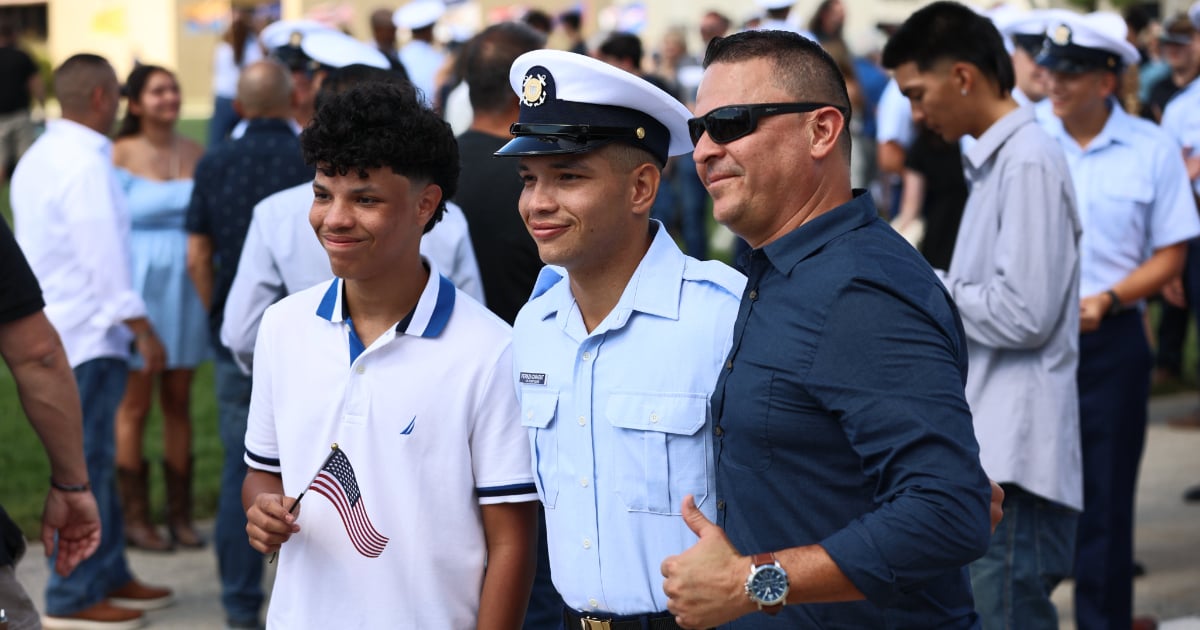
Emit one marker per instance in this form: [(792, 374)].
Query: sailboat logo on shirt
[(409, 429)]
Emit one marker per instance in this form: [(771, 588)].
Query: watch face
[(769, 585)]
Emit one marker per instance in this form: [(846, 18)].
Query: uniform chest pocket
[(538, 410), (660, 450), (1119, 210)]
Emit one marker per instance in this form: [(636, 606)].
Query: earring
[(964, 91)]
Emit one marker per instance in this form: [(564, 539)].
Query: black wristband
[(1115, 307), (62, 487)]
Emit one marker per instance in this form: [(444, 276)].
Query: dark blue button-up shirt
[(230, 180), (841, 421)]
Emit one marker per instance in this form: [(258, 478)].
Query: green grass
[(24, 471)]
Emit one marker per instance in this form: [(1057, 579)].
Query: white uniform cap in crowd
[(289, 32), (1096, 41), (335, 49), (767, 5), (573, 103), (418, 14), (1194, 14), (1001, 16), (1028, 30)]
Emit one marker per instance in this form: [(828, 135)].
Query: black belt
[(590, 621)]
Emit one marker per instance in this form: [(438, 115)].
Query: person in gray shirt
[(1015, 278)]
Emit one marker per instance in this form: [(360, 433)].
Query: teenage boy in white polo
[(412, 380)]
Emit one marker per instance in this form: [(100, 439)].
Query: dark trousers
[(545, 605), (1114, 389)]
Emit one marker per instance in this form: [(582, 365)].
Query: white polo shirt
[(282, 256), (428, 420)]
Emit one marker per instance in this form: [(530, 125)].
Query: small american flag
[(336, 482)]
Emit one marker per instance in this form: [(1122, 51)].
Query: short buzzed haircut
[(488, 58), (264, 89), (802, 68), (949, 31), (77, 77)]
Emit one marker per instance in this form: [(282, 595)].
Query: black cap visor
[(549, 145), (1073, 59), (551, 139)]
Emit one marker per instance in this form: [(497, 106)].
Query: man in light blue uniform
[(619, 348), (1137, 214)]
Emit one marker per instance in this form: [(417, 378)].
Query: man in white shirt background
[(72, 223)]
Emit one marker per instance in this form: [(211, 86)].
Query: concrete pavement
[(1168, 543)]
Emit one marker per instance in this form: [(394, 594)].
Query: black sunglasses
[(726, 124)]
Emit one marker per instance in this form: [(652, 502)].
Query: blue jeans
[(101, 385), (1031, 551), (239, 565), (224, 119)]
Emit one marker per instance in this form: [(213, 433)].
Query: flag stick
[(333, 448)]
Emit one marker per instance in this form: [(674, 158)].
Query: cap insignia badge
[(533, 90), (295, 39), (1061, 35)]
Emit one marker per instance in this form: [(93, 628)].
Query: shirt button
[(587, 356), (360, 369), (718, 431), (529, 414), (593, 603), (583, 482), (720, 505), (754, 294), (653, 417), (582, 421), (587, 543)]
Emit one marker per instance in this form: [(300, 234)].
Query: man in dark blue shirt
[(230, 180), (847, 467)]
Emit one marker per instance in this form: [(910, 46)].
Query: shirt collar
[(792, 248), (256, 125), (652, 289), (82, 134), (995, 137), (1117, 129), (427, 319)]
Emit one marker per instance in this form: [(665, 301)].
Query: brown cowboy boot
[(179, 506), (139, 532)]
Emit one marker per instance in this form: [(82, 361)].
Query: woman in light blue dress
[(155, 165)]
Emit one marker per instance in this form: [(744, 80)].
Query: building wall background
[(182, 34)]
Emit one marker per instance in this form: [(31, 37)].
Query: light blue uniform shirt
[(619, 421), (1181, 121), (1132, 193)]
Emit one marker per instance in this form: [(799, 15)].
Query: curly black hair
[(373, 125)]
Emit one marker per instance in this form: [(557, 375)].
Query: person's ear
[(428, 201), (643, 181), (964, 77), (825, 128)]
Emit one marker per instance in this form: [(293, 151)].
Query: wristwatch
[(767, 584)]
